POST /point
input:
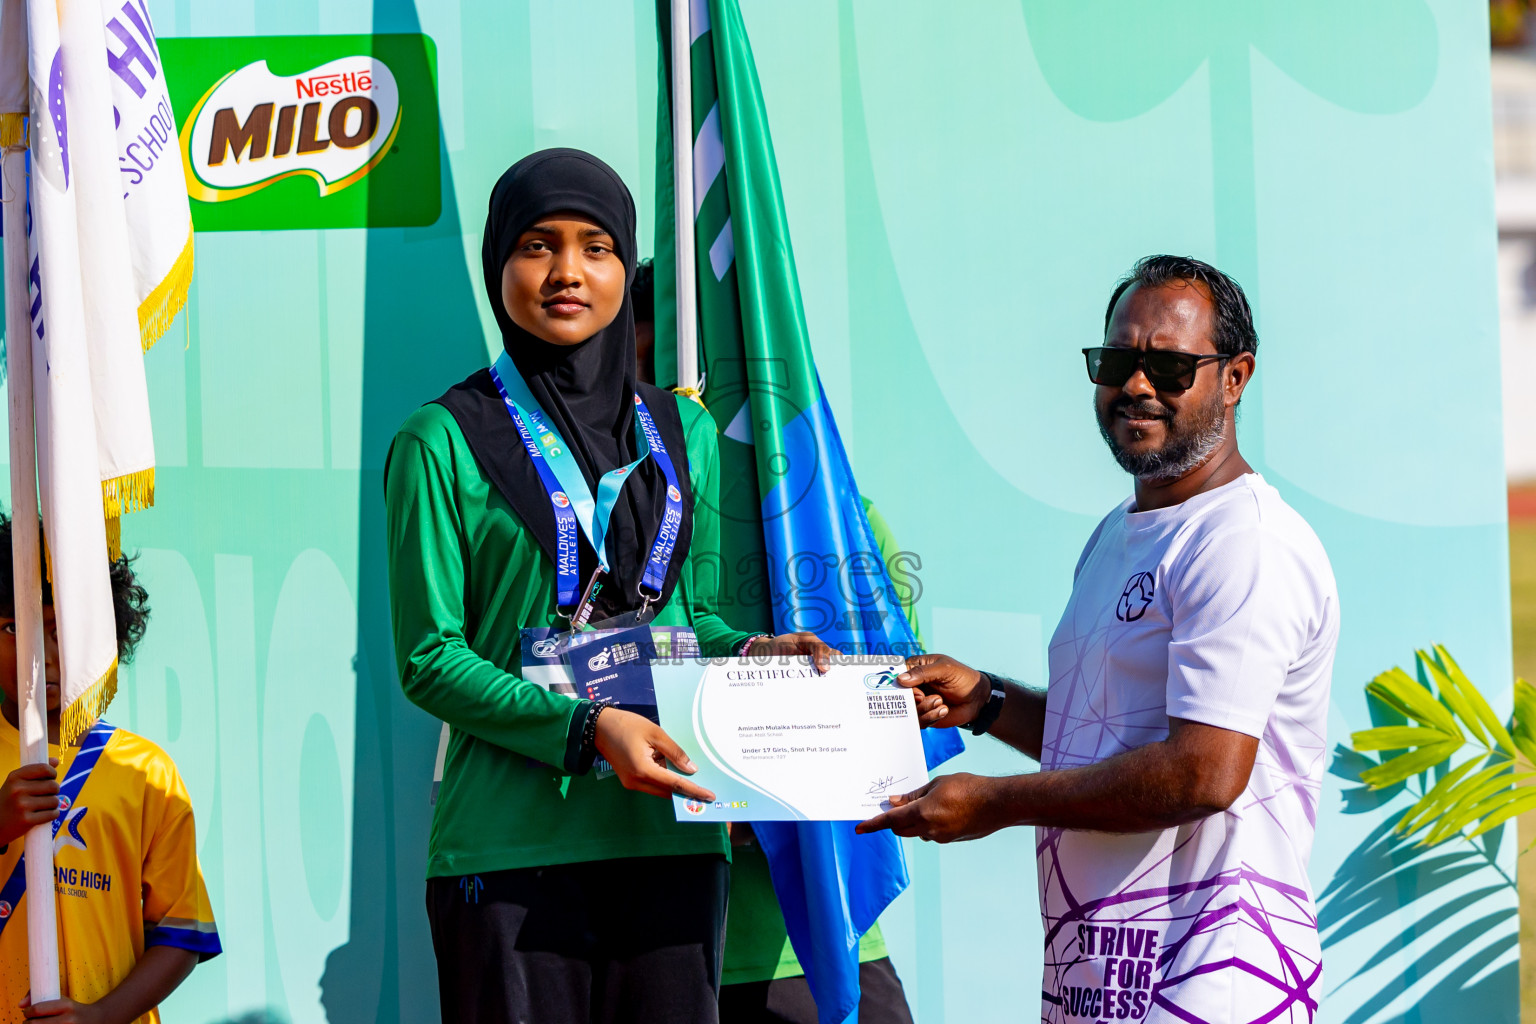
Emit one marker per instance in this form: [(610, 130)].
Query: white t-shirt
[(1222, 610)]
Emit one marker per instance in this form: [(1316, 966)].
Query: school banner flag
[(797, 549), (108, 262)]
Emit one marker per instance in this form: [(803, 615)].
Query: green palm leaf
[(1484, 712), (1446, 713), (1399, 737), (1438, 798), (1524, 801), (1459, 702), (1524, 730), (1406, 766), (1474, 804), (1403, 693)]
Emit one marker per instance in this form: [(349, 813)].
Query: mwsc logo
[(307, 131)]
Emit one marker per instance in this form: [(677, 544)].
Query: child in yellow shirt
[(133, 915)]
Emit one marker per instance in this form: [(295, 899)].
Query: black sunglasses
[(1166, 371)]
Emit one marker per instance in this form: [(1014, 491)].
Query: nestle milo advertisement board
[(307, 131)]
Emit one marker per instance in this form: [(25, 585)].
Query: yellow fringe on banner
[(13, 130), (121, 495), (78, 718), (129, 492), (159, 309)]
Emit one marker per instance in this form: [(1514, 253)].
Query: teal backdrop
[(964, 185)]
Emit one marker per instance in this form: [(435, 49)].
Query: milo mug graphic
[(307, 131)]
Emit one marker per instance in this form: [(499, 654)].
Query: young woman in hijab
[(555, 895)]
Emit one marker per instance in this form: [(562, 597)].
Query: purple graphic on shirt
[(1212, 921), (1136, 951)]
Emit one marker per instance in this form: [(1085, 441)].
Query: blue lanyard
[(69, 792), (573, 502), (672, 519)]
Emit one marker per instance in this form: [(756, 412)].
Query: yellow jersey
[(126, 875)]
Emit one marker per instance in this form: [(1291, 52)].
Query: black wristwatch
[(987, 716)]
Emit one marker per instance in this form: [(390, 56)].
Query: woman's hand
[(790, 644), (29, 796), (949, 694), (639, 750)]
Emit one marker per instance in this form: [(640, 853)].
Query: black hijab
[(586, 390)]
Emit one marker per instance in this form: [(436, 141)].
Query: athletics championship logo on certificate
[(307, 131)]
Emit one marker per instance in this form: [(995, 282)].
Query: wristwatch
[(987, 716)]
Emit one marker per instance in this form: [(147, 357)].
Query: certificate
[(782, 742)]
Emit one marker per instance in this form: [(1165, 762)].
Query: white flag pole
[(682, 195), (31, 680)]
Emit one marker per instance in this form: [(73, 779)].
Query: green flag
[(797, 551)]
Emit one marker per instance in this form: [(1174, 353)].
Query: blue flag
[(798, 551)]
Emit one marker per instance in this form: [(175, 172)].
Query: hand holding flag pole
[(95, 270), (26, 559)]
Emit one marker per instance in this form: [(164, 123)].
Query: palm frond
[(1450, 720), (1403, 693), (1438, 798), (1485, 714), (1406, 766), (1524, 731)]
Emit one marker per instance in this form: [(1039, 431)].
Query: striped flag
[(797, 549), (108, 260)]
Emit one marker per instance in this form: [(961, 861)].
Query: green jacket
[(465, 577)]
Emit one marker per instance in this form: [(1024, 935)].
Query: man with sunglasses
[(1181, 734)]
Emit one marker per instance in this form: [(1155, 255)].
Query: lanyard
[(672, 519), (69, 793), (572, 501)]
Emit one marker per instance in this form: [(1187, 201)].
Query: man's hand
[(949, 694), (789, 644), (949, 808), (639, 750), (63, 1011), (28, 797)]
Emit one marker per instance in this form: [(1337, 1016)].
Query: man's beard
[(1186, 449)]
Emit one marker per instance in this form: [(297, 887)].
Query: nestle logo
[(333, 84)]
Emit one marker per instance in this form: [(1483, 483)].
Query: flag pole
[(31, 680), (682, 195)]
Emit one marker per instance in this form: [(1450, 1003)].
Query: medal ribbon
[(572, 501)]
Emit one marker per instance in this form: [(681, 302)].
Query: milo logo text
[(332, 123)]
